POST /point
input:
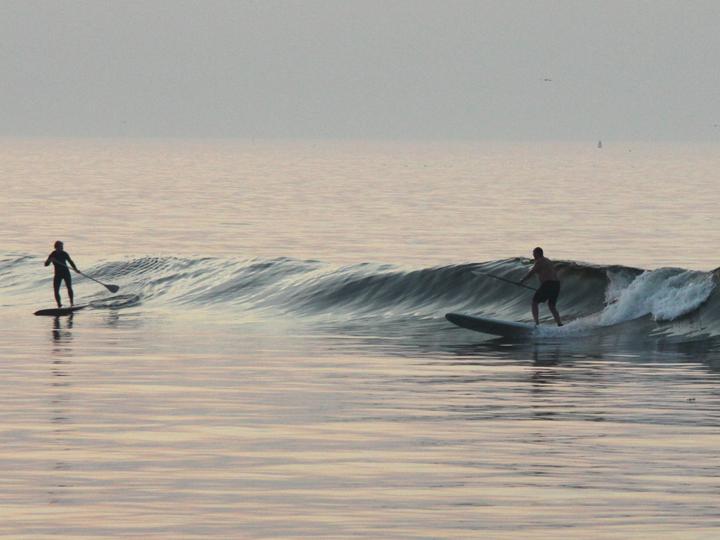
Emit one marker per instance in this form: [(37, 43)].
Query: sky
[(372, 69)]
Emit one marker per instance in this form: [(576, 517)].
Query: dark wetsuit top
[(60, 270)]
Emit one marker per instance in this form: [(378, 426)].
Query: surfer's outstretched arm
[(72, 263)]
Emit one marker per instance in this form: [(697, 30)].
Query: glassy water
[(277, 363)]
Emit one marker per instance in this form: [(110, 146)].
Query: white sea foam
[(665, 294)]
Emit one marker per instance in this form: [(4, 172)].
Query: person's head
[(538, 253), (59, 245)]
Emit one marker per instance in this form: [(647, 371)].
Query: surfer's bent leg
[(547, 292), (555, 313), (552, 300), (539, 297)]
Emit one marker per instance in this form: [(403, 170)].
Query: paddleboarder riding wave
[(60, 259), (549, 285)]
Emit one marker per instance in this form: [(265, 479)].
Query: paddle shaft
[(507, 281), (111, 288)]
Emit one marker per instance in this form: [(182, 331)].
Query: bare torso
[(545, 270)]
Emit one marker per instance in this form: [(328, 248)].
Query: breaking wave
[(671, 301)]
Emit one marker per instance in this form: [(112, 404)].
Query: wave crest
[(379, 294)]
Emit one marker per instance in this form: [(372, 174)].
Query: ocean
[(277, 364)]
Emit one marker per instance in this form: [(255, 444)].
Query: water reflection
[(61, 333), (465, 346), (60, 399)]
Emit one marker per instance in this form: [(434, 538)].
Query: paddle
[(111, 288), (478, 273)]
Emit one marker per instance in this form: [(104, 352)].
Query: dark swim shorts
[(549, 290)]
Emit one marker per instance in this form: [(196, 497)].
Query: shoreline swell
[(594, 295)]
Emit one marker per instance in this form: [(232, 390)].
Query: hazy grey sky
[(362, 68)]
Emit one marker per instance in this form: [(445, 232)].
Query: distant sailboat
[(599, 144)]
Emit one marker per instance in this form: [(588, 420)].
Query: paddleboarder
[(60, 259), (549, 285)]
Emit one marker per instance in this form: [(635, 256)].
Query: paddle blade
[(112, 288)]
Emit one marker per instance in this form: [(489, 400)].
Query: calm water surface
[(278, 365), (632, 204)]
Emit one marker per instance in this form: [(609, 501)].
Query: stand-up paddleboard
[(492, 326), (56, 312)]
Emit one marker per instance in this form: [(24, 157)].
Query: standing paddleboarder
[(60, 259), (549, 285)]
